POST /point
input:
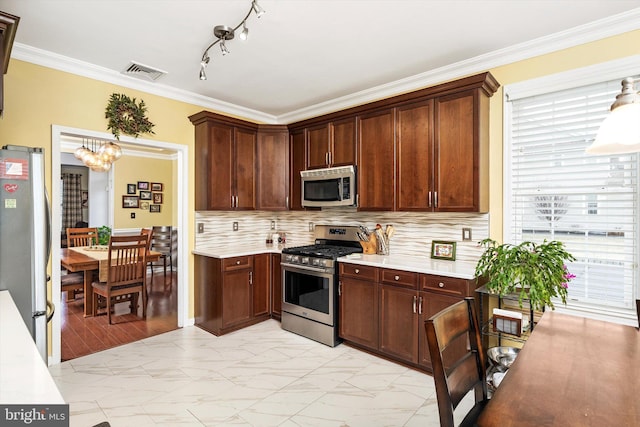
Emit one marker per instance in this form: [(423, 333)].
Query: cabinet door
[(376, 167), (430, 304), (399, 323), (245, 164), (414, 147), (273, 169), (236, 297), (456, 148), (260, 285), (298, 163), (221, 166), (343, 146), (359, 312), (318, 147), (276, 286)]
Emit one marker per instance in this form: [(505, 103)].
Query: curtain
[(71, 200)]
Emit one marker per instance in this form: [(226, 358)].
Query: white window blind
[(558, 192)]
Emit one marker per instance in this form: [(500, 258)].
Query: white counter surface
[(230, 252), (458, 269), (24, 377)]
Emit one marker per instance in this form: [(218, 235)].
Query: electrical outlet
[(235, 225), (311, 226), (466, 234), (273, 225), (200, 227)]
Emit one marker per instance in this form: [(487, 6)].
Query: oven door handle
[(303, 267)]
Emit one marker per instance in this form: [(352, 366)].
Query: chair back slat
[(162, 239), (85, 236)]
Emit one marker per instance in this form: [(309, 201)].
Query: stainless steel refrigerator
[(25, 237)]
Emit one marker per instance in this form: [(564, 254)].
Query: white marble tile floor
[(258, 376)]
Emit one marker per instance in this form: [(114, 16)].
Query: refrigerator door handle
[(47, 225), (51, 309)]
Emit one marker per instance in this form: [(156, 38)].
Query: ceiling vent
[(135, 69)]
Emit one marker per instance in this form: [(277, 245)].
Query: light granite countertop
[(24, 377), (458, 269)]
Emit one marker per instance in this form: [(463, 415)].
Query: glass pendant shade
[(110, 152), (80, 152), (619, 133)]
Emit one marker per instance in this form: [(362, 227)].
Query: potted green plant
[(537, 272), (104, 233)]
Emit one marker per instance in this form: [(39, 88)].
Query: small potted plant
[(537, 272), (104, 233)]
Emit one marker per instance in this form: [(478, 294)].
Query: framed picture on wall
[(145, 195), (143, 185), (154, 208), (131, 189), (156, 186), (157, 198), (130, 202), (144, 206)]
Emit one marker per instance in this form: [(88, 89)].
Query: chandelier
[(224, 33), (98, 155)]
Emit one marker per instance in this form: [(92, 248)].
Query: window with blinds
[(558, 192)]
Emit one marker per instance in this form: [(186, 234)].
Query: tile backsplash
[(413, 231)]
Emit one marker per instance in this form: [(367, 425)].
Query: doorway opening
[(61, 136)]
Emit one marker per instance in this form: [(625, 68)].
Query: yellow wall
[(37, 97), (130, 170)]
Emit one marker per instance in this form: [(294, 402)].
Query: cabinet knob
[(357, 271), (238, 263), (441, 285), (397, 278)]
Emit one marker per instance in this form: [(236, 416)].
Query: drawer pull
[(237, 262), (357, 270), (397, 278), (441, 285)]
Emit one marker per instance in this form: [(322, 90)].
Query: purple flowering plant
[(536, 272)]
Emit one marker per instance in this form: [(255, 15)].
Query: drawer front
[(444, 285), (405, 279), (359, 271), (237, 263)]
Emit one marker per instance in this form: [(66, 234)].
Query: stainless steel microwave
[(329, 187)]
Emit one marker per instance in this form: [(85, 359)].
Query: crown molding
[(607, 27)]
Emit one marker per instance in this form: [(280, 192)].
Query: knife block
[(370, 247)]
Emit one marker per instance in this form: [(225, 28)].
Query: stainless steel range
[(310, 283)]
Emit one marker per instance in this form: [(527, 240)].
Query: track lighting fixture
[(224, 33)]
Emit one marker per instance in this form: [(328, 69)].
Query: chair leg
[(144, 303), (109, 308), (94, 310)]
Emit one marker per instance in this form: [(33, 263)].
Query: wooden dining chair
[(85, 236), (162, 241), (73, 283), (454, 373), (126, 276)]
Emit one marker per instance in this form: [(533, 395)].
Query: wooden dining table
[(81, 261), (572, 371)]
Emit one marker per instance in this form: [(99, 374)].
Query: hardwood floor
[(85, 335)]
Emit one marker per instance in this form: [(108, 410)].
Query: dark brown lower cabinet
[(231, 293), (384, 310)]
